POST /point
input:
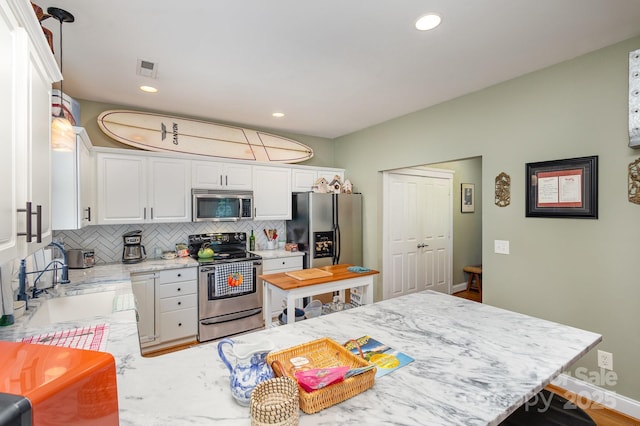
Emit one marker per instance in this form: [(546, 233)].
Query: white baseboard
[(609, 399), (458, 287)]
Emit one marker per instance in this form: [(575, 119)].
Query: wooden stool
[(475, 274)]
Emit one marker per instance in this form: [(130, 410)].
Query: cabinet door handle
[(144, 213), (151, 213), (226, 181), (28, 210), (88, 210), (220, 180), (38, 223), (28, 214)]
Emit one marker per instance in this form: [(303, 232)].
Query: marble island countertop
[(474, 364)]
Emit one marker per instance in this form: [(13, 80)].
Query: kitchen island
[(474, 364)]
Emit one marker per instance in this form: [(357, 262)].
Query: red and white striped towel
[(93, 337)]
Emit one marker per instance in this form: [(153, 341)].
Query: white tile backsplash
[(106, 240)]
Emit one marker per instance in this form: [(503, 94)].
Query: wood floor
[(600, 414), (470, 294)]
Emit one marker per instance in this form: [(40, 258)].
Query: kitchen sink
[(72, 308)]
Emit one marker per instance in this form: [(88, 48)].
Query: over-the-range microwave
[(221, 206)]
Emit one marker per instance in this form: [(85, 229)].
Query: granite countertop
[(474, 364)]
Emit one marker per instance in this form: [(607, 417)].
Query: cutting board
[(308, 274)]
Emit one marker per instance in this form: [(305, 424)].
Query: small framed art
[(467, 198)]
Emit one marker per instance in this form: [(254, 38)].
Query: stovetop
[(227, 247)]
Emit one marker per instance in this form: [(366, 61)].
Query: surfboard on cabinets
[(166, 133)]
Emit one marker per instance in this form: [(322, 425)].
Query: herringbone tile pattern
[(106, 240)]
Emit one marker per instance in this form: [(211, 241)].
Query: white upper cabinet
[(8, 215), (122, 189), (169, 190), (135, 189), (27, 72), (73, 185), (271, 193), (217, 175), (303, 179)]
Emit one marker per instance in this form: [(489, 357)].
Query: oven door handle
[(231, 317)]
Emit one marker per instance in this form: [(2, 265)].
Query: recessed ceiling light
[(278, 114), (148, 89), (428, 22)]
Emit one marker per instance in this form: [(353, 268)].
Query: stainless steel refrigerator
[(327, 227)]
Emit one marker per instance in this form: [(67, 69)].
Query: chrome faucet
[(22, 275)]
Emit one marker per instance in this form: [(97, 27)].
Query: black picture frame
[(563, 188), (467, 198)]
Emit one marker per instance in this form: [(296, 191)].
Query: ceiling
[(332, 66)]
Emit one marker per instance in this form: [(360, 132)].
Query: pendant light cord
[(61, 114)]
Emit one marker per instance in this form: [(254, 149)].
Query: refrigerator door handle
[(336, 245), (336, 230)]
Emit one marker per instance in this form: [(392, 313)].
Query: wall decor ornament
[(563, 188), (634, 182), (503, 190)]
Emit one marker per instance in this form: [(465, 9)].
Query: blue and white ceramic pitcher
[(250, 366)]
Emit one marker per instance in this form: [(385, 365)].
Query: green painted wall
[(577, 272), (322, 148)]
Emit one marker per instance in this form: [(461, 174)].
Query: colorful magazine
[(384, 357)]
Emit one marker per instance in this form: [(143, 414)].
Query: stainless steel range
[(229, 295)]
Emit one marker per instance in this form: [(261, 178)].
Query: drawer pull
[(179, 275), (179, 289), (179, 324), (179, 303)]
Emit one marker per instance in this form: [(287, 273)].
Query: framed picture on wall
[(563, 188), (467, 198)]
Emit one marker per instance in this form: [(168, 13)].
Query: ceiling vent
[(147, 68)]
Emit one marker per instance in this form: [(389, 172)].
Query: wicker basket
[(323, 353), (275, 402)]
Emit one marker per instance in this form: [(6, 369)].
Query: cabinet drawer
[(283, 264), (177, 289), (176, 275), (178, 324), (169, 304)]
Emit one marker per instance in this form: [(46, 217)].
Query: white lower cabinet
[(277, 265), (144, 291), (178, 304), (167, 307)]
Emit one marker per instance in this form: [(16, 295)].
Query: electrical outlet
[(501, 246), (605, 360)]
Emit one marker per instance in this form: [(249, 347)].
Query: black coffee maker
[(133, 251)]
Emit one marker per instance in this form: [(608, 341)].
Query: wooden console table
[(290, 288)]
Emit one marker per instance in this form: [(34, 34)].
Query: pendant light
[(62, 135)]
